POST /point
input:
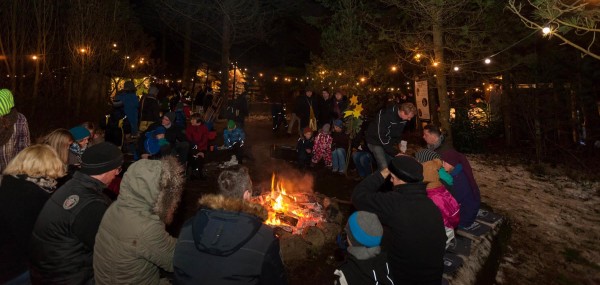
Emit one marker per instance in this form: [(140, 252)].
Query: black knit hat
[(101, 158), (406, 168), (425, 155)]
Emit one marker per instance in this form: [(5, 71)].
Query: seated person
[(436, 191), (156, 144), (304, 148), (175, 135), (362, 157), (81, 137), (464, 187), (226, 242), (233, 138), (365, 264), (340, 141), (322, 146), (197, 135)]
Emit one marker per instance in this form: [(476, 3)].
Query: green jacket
[(132, 242)]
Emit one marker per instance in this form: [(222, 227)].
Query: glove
[(445, 176)]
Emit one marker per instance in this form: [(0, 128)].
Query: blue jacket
[(230, 137), (131, 105)]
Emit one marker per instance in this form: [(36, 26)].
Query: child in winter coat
[(197, 135), (305, 147), (436, 191), (366, 264), (322, 146), (156, 144), (234, 140)]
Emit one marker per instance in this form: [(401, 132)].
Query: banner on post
[(422, 99)]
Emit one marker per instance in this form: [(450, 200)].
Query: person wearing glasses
[(63, 237)]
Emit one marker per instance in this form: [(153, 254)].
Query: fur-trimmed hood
[(224, 225), (153, 186)]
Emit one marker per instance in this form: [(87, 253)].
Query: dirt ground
[(554, 220)]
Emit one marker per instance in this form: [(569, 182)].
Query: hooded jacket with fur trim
[(132, 242), (227, 243)]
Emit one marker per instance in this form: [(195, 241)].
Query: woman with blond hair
[(27, 182), (60, 140)]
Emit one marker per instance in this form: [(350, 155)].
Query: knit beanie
[(338, 123), (79, 133), (160, 130), (153, 91), (7, 101), (430, 173), (326, 128), (425, 155), (364, 229), (230, 125), (129, 86), (406, 168), (101, 158), (171, 116)]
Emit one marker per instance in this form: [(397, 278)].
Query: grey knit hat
[(425, 155), (171, 116), (364, 229), (326, 128)]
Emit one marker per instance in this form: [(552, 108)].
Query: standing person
[(197, 135), (132, 244), (14, 130), (307, 109), (339, 105), (199, 101), (131, 105), (241, 109), (208, 99), (81, 136), (64, 234), (385, 131), (294, 119), (464, 187), (278, 114), (226, 242), (150, 109), (416, 239), (366, 263), (27, 182), (325, 109), (116, 125)]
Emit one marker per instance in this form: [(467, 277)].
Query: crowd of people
[(73, 211)]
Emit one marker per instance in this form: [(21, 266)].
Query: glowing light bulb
[(456, 68), (546, 30), (487, 61)]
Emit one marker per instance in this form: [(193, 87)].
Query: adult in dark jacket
[(116, 125), (325, 109), (385, 131), (64, 234), (340, 103), (27, 182), (415, 238), (131, 104), (174, 134), (150, 109), (226, 241), (241, 109), (304, 104)]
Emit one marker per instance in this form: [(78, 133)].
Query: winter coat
[(62, 241), (14, 136), (173, 135), (132, 244), (225, 243), (374, 270), (303, 104), (198, 136), (468, 198), (150, 109), (21, 201), (415, 238), (325, 111), (230, 137), (116, 125), (386, 130), (131, 104), (340, 140), (446, 204), (304, 144), (339, 107)]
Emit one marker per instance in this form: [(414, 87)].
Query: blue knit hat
[(338, 123), (79, 133), (364, 229), (7, 101)]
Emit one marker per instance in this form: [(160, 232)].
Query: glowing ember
[(289, 210)]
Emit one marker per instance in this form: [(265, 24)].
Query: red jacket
[(198, 135)]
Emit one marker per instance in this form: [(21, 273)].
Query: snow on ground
[(555, 223)]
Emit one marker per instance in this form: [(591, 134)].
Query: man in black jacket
[(415, 238), (227, 242), (63, 237), (303, 106), (385, 131)]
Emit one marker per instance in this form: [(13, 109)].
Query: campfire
[(290, 208)]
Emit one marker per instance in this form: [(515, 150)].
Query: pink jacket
[(447, 205)]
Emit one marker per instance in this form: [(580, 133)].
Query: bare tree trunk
[(438, 49), (537, 127), (187, 47), (573, 103)]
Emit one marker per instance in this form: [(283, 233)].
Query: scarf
[(47, 184), (7, 128), (76, 149)]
